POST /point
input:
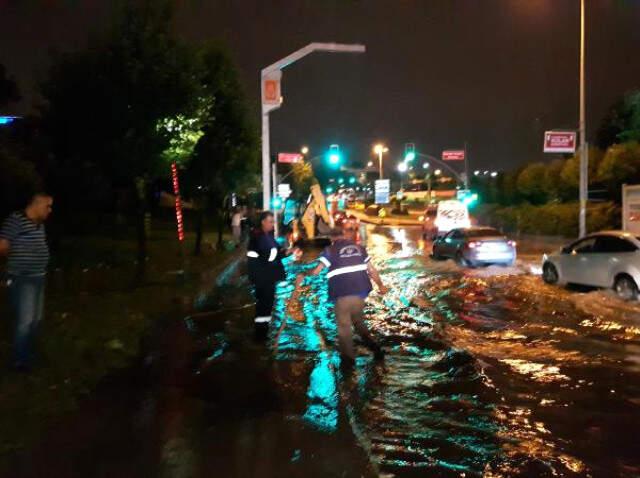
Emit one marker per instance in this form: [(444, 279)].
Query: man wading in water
[(350, 274)]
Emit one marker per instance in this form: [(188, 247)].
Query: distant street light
[(476, 173), (379, 149), (370, 164), (304, 150), (425, 166), (437, 172), (494, 174), (402, 167)]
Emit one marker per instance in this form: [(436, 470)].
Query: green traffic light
[(335, 158), (352, 180), (341, 180), (329, 190), (410, 156)]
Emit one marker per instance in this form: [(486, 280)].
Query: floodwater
[(489, 372)]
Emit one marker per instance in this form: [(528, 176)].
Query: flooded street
[(489, 372)]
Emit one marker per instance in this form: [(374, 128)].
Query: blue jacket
[(347, 263), (264, 258)]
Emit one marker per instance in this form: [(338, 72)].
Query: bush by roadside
[(553, 219)]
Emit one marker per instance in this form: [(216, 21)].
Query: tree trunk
[(199, 227), (141, 232), (220, 229)]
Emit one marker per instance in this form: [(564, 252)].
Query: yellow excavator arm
[(316, 206)]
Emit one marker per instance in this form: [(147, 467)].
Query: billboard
[(560, 142), (453, 155)]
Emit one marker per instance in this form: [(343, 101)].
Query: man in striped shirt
[(23, 240)]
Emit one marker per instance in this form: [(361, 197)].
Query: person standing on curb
[(23, 239), (236, 225), (350, 275), (264, 257)]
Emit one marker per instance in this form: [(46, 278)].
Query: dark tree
[(225, 158), (104, 105), (9, 92)]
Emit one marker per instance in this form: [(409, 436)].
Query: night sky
[(494, 73)]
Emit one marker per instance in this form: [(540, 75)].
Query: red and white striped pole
[(176, 193)]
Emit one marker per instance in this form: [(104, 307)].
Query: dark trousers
[(265, 297)]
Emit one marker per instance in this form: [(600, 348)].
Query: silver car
[(609, 259), (472, 246)]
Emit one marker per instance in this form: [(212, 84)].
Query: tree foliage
[(103, 104), (226, 154), (9, 92), (621, 164), (531, 183), (622, 123)]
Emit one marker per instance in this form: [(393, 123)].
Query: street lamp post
[(379, 149), (584, 150), (270, 84)]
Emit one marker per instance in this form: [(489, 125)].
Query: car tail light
[(512, 243)]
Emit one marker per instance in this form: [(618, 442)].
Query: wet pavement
[(489, 372)]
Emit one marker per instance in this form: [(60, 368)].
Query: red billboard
[(289, 157), (560, 142), (453, 155)]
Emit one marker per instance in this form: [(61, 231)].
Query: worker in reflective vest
[(350, 273), (264, 257)]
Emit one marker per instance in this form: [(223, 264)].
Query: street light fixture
[(494, 174), (402, 167), (304, 150), (437, 172), (425, 166), (379, 149), (370, 164), (270, 77)]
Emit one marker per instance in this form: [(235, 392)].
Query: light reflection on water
[(481, 368)]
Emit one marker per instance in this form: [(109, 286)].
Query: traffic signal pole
[(271, 74)]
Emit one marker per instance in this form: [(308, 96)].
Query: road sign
[(284, 190), (383, 188), (453, 155), (271, 94), (560, 142), (290, 157)]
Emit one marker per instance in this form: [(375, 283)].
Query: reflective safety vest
[(264, 258), (347, 263)]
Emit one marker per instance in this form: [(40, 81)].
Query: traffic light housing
[(409, 152), (468, 197), (335, 157)]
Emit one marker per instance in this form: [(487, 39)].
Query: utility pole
[(270, 77), (584, 149), (466, 167)]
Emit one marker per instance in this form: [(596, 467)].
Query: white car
[(609, 259)]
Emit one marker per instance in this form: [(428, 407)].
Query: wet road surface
[(489, 372)]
